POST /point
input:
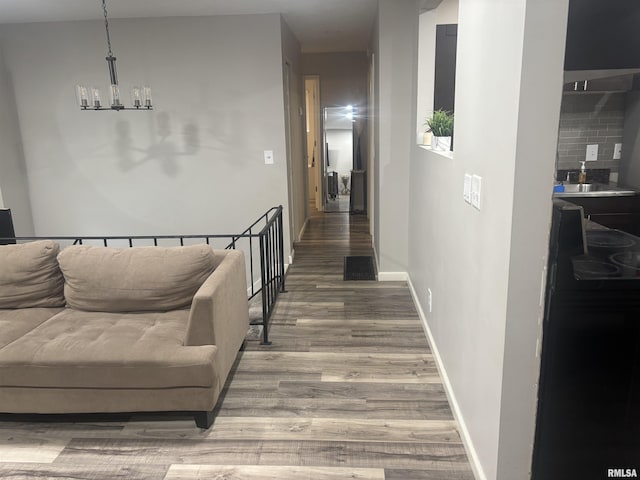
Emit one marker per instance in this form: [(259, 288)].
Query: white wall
[(194, 164), (485, 267), (14, 190)]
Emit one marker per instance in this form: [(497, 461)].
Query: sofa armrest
[(220, 311)]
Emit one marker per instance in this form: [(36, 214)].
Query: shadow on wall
[(162, 150)]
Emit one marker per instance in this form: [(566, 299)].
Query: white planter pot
[(441, 143)]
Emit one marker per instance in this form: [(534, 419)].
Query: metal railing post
[(281, 248), (263, 283)]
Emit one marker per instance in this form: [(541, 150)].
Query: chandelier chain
[(106, 26)]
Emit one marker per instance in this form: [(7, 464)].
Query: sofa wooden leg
[(204, 419)]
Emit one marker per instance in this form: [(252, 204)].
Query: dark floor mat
[(359, 268)]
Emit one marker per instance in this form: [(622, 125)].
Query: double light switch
[(472, 189)]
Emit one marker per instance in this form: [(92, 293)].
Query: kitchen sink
[(582, 187), (594, 190)]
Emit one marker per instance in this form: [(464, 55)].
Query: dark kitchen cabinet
[(603, 35), (618, 83), (621, 213)]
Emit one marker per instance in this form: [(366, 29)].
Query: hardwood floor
[(348, 390)]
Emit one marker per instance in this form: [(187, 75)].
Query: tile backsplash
[(594, 175), (586, 119)]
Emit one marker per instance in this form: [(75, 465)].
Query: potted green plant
[(440, 124)]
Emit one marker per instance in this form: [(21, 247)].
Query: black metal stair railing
[(264, 235)]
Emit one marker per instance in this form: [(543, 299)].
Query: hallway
[(349, 381), (348, 390)]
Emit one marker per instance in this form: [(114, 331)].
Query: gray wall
[(539, 110), (630, 163), (593, 118), (375, 129), (395, 111), (14, 185), (298, 182), (194, 164), (343, 77), (485, 267)]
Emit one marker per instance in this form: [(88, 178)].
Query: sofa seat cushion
[(14, 323), (78, 349), (29, 275), (104, 279)]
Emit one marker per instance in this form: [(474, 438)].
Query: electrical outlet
[(592, 153), (429, 300), (268, 157)]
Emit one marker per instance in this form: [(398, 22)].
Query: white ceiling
[(320, 25)]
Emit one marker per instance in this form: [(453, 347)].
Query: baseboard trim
[(304, 227), (388, 276), (392, 276), (375, 255), (476, 467), (256, 286)]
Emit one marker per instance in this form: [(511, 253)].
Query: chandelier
[(90, 98)]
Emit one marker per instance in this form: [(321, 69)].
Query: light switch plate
[(268, 157), (466, 194), (592, 153), (617, 151), (476, 191)]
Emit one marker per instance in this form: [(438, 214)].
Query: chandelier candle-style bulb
[(82, 94), (115, 97), (95, 97), (146, 93), (136, 97)]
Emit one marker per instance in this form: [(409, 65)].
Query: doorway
[(338, 136)]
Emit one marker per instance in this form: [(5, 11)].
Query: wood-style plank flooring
[(348, 390)]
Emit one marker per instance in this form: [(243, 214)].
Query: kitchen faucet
[(568, 179)]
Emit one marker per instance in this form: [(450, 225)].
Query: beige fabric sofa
[(97, 329)]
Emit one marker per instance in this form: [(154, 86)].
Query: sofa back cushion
[(29, 275), (104, 279)]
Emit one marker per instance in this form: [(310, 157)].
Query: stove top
[(627, 260), (609, 239), (610, 255)]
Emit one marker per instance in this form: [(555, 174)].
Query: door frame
[(319, 150)]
